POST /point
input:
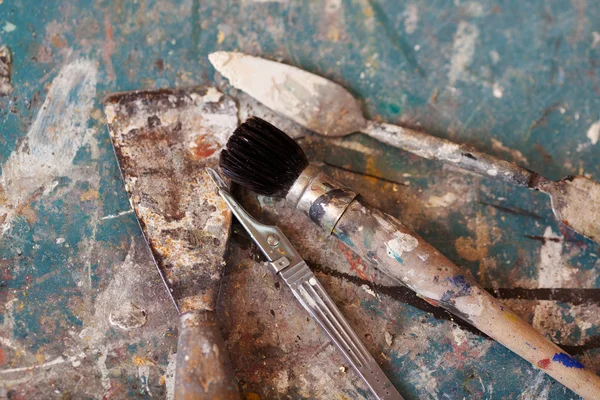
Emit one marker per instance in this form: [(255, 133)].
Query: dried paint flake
[(5, 71), (593, 132), (389, 338), (9, 27), (401, 243)]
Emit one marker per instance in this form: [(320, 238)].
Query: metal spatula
[(330, 110)]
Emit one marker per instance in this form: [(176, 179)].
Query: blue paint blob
[(567, 360), (344, 238)]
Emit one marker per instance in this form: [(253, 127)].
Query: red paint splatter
[(204, 146), (2, 356), (544, 364), (108, 48), (356, 263), (431, 301)]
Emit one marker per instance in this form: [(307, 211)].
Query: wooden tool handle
[(462, 156), (203, 369), (401, 254)]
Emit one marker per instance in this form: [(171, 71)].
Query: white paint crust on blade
[(312, 101)]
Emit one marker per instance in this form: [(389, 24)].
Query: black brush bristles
[(262, 158)]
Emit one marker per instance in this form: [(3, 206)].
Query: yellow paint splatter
[(162, 380), (333, 34), (466, 248), (512, 317), (220, 37), (91, 194), (141, 361), (252, 396), (40, 358), (98, 115)]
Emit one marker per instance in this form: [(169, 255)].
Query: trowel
[(163, 141), (330, 110)]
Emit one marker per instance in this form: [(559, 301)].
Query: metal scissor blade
[(270, 239), (288, 263)]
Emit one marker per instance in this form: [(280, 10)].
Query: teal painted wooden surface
[(519, 80)]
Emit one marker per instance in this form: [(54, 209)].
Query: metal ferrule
[(320, 197)]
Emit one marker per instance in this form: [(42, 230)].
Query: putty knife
[(330, 110), (163, 141)]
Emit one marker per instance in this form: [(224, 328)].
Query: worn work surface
[(517, 80)]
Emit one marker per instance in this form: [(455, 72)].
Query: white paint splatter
[(473, 9), (53, 140), (144, 375), (441, 201), (593, 132), (9, 27), (411, 18), (495, 56), (117, 215), (57, 361), (533, 391), (497, 90), (553, 272), (281, 382), (333, 6), (101, 364), (465, 39), (492, 172), (370, 291), (170, 376), (212, 95), (401, 243), (595, 39), (354, 145), (389, 338)]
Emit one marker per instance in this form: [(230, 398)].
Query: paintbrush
[(330, 110), (265, 160)]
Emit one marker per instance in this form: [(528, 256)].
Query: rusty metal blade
[(163, 141), (576, 202)]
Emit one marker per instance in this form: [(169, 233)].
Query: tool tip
[(219, 58), (216, 178)]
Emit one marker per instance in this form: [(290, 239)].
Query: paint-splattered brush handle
[(386, 244)]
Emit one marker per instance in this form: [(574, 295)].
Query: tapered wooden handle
[(401, 254), (203, 368)]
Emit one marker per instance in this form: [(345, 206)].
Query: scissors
[(289, 265)]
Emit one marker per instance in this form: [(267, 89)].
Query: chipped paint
[(567, 361), (411, 18), (6, 87), (497, 90), (593, 132), (441, 201), (401, 243), (515, 154), (552, 270)]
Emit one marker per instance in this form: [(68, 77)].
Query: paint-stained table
[(517, 79)]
